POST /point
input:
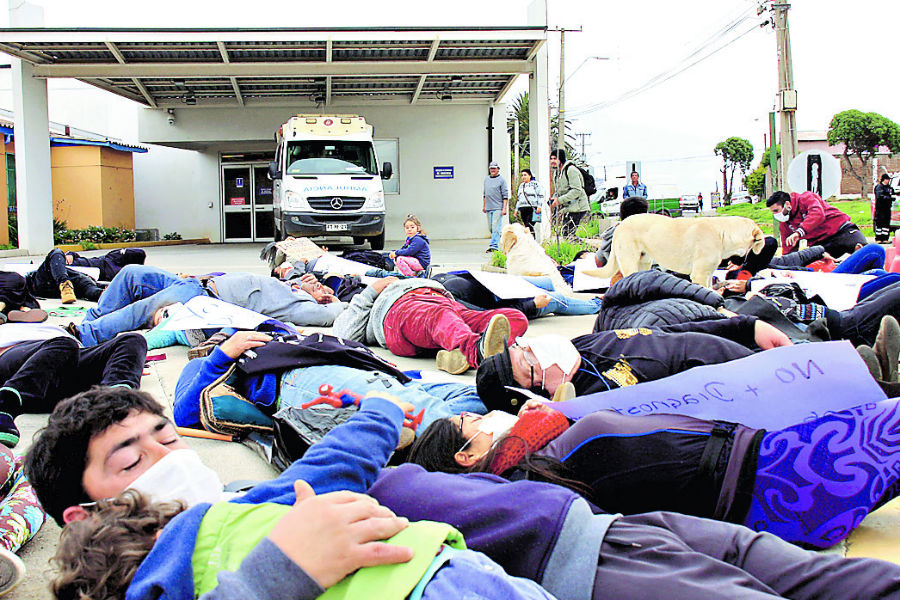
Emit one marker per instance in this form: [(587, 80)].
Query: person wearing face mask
[(712, 469), (806, 216), (555, 366)]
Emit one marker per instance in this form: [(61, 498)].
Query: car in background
[(741, 197), (689, 202)]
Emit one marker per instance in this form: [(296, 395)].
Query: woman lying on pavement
[(281, 540), (792, 482), (277, 388), (557, 539)]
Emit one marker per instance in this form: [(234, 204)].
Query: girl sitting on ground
[(810, 484), (415, 255)]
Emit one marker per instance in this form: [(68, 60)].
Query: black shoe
[(819, 329), (9, 433), (72, 330)]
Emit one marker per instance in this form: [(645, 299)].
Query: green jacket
[(569, 189)]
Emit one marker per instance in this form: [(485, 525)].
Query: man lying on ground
[(110, 263), (53, 279), (415, 317), (41, 364), (135, 296), (100, 443)]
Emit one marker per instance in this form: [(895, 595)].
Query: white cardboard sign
[(583, 282), (203, 312), (507, 287)]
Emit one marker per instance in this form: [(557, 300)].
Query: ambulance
[(326, 179)]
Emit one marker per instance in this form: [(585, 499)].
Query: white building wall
[(173, 187)]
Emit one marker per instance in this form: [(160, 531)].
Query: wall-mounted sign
[(265, 191), (443, 172), (239, 182), (237, 201)]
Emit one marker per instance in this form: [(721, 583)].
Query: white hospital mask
[(497, 423), (785, 215), (552, 350), (180, 475)]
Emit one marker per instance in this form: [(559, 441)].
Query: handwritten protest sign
[(507, 286), (203, 312), (838, 290), (300, 249), (772, 389), (26, 268), (583, 281)]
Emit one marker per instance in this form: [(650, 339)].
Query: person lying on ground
[(135, 296), (53, 279), (21, 517), (312, 525), (415, 317), (17, 304), (469, 292), (356, 369), (598, 362), (715, 469), (110, 263), (555, 539), (807, 217), (40, 364)]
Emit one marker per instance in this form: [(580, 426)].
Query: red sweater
[(813, 218)]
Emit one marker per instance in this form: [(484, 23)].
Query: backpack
[(590, 186)]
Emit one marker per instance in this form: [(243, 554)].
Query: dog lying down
[(694, 246), (524, 256)]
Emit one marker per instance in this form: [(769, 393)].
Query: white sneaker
[(12, 570)]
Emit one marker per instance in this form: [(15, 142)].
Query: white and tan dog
[(524, 256), (693, 246)]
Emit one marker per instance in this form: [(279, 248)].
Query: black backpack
[(590, 186)]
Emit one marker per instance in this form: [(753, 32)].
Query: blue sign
[(443, 172), (238, 182)]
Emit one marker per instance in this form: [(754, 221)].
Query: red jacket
[(813, 218)]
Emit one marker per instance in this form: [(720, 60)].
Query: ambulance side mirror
[(387, 170), (274, 173)]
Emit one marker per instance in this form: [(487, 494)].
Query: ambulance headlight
[(375, 201), (294, 201)]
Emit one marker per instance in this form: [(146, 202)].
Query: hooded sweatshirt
[(417, 247)]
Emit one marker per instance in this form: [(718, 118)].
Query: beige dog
[(692, 246), (524, 256)]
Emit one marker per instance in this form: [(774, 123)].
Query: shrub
[(94, 235), (498, 259), (172, 236), (88, 246), (564, 251)]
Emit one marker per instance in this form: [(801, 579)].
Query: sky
[(844, 56)]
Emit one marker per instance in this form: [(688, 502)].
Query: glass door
[(237, 203), (263, 217)]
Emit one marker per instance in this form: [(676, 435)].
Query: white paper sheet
[(329, 263), (203, 312), (583, 282), (507, 287), (838, 290)]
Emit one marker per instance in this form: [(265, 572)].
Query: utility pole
[(786, 102), (561, 120), (582, 136)]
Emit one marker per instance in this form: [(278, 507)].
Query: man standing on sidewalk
[(495, 203)]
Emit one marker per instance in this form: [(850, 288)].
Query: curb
[(114, 245)]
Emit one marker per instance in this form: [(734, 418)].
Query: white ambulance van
[(326, 180)]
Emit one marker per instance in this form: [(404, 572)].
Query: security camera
[(171, 113)]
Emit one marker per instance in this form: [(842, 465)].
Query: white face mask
[(783, 216), (552, 350), (497, 423), (180, 475)]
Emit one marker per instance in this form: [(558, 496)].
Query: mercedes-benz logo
[(337, 203)]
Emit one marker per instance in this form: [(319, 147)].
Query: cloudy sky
[(845, 56)]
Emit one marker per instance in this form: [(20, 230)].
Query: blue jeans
[(495, 224), (561, 304), (440, 400), (470, 574), (131, 299), (870, 256)]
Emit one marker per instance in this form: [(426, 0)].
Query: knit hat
[(534, 430), (493, 380)]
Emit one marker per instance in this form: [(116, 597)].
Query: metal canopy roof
[(216, 67)]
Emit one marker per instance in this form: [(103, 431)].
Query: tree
[(736, 154), (862, 134), (755, 182), (520, 110)]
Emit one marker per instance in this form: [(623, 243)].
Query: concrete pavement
[(878, 536)]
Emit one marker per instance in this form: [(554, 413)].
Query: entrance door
[(247, 203)]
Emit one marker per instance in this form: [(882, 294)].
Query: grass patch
[(564, 252), (498, 259), (860, 213), (588, 229)]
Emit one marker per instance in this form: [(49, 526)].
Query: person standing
[(530, 198), (883, 202), (635, 188), (569, 197), (495, 203), (700, 202)]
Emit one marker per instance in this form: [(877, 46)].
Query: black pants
[(47, 371), (860, 324), (844, 241), (111, 262), (526, 213), (469, 292), (570, 221), (882, 220), (754, 263), (46, 279)]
